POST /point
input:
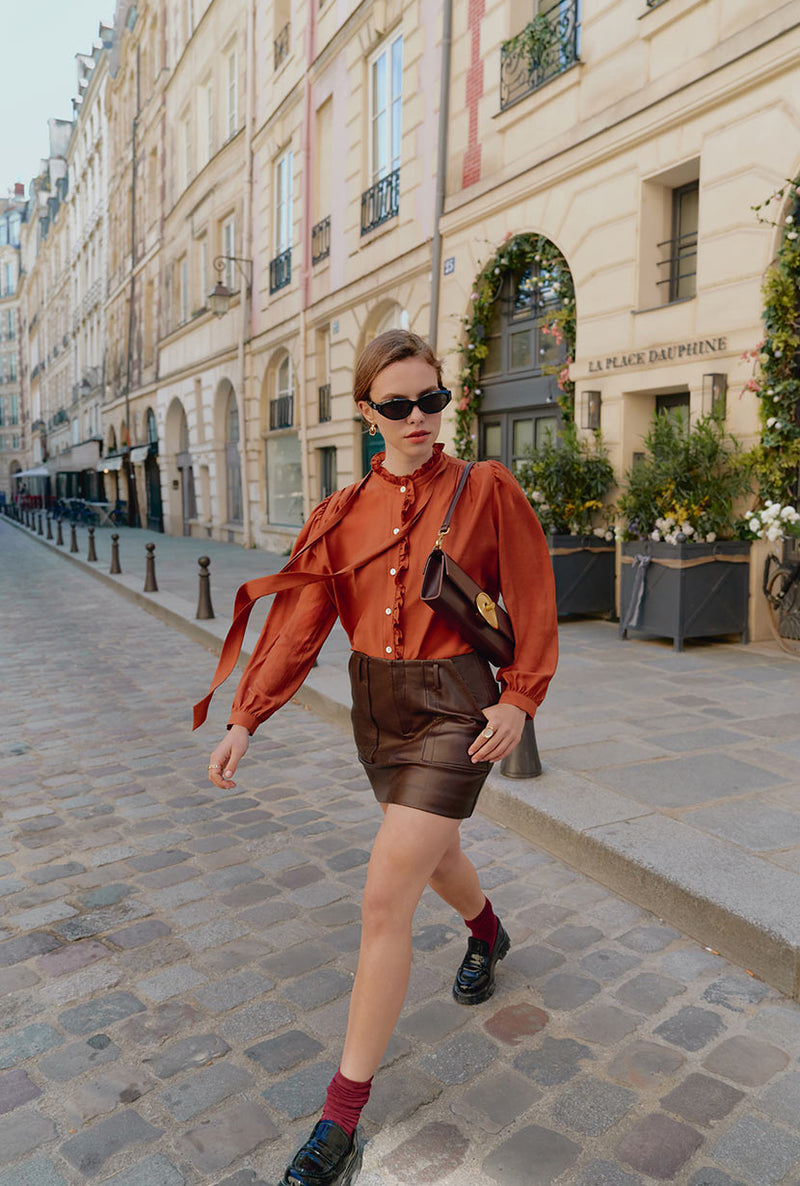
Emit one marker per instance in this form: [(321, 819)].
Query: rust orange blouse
[(494, 536)]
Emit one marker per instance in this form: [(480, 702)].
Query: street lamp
[(220, 297), (84, 388), (590, 409), (715, 391)]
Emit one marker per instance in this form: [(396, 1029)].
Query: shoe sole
[(479, 998)]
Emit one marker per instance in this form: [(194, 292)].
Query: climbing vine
[(776, 380), (515, 256)]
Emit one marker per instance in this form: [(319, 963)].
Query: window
[(10, 279), (206, 115), (283, 203), (10, 325), (3, 232), (12, 369), (2, 412), (183, 289), (683, 245), (386, 88), (203, 270), (2, 368), (676, 405), (233, 464), (186, 149), (232, 85), (229, 250), (327, 471)]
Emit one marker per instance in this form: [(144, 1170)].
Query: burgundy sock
[(484, 925), (344, 1101)]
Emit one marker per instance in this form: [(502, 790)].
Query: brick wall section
[(472, 157)]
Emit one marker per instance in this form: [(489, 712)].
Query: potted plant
[(566, 480), (685, 566)]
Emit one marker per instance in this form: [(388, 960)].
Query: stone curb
[(732, 902)]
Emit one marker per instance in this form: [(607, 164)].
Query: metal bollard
[(150, 585), (59, 535), (205, 610), (73, 541), (39, 530), (92, 553), (524, 761), (115, 568), (49, 527)]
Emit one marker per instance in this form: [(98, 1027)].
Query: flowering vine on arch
[(776, 382), (517, 253)]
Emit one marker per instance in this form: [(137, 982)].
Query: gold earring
[(373, 429)]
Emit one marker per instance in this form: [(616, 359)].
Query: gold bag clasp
[(486, 608)]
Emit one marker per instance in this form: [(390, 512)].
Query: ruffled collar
[(432, 466)]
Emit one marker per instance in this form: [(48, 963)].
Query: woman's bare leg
[(455, 880), (409, 846)]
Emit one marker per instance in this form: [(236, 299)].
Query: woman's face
[(409, 442)]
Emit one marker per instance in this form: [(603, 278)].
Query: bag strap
[(445, 527), (250, 592)]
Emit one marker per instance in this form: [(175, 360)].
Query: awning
[(139, 454), (77, 459), (108, 463), (38, 471)]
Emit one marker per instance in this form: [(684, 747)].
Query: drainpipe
[(441, 170), (305, 286), (247, 252)]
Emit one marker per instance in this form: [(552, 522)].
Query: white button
[(388, 650), (402, 489), (392, 572), (395, 531), (388, 610)]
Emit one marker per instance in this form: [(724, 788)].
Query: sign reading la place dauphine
[(640, 358)]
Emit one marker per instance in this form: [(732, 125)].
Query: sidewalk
[(671, 778)]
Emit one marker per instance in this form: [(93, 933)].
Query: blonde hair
[(391, 346)]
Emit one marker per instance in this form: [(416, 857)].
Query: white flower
[(710, 537), (789, 218), (656, 535), (599, 532), (537, 496), (754, 524), (792, 235), (609, 535), (771, 421), (544, 506), (687, 529), (669, 521), (774, 532)]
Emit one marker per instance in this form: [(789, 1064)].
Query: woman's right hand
[(225, 758)]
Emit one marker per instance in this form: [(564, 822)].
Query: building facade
[(13, 452), (286, 178)]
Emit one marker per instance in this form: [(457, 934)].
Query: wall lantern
[(715, 391), (220, 297), (590, 409)]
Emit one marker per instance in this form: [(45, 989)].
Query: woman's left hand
[(504, 723)]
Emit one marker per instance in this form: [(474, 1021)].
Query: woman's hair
[(391, 346)]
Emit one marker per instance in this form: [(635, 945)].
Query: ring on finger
[(488, 732), (216, 766)]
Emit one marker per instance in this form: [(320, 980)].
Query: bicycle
[(781, 585)]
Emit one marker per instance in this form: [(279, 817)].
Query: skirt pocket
[(365, 729)]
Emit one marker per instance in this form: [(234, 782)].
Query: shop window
[(327, 471), (284, 481)]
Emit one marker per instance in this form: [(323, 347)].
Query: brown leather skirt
[(414, 721)]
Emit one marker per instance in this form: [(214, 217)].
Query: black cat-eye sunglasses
[(398, 407)]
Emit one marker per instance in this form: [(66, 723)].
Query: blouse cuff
[(239, 717), (526, 703)]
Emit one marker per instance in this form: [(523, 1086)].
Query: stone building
[(13, 455), (135, 163), (87, 216)]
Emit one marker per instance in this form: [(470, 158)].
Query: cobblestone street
[(175, 962)]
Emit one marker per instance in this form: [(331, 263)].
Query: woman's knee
[(383, 910), (449, 863)]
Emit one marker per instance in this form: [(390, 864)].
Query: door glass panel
[(521, 349), (521, 437), (550, 350), (493, 363), (492, 441), (546, 430), (525, 294)]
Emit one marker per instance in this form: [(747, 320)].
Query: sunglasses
[(398, 408)]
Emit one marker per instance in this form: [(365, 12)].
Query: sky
[(40, 40)]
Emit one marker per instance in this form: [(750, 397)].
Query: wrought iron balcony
[(321, 240), (545, 48), (324, 402), (280, 270), (380, 202), (281, 412), (282, 45)]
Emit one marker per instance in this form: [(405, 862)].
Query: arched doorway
[(525, 351), (283, 461), (152, 475), (182, 502), (520, 338), (387, 315)]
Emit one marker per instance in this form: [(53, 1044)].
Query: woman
[(428, 716)]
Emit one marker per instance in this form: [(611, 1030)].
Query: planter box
[(690, 590), (584, 570)]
